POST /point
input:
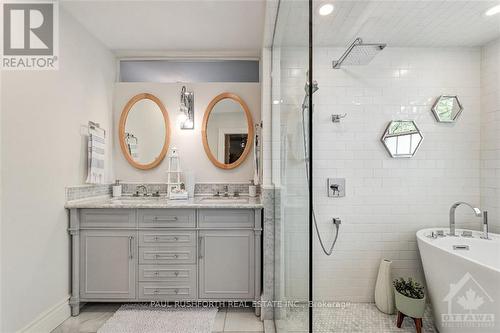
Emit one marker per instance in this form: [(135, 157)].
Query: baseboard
[(49, 319), (269, 326)]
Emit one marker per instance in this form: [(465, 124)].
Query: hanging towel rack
[(95, 126)]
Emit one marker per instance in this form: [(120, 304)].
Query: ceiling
[(398, 23), (139, 27)]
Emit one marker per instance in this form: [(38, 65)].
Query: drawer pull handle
[(156, 291), (165, 218), (171, 256), (200, 247), (158, 238), (130, 250)]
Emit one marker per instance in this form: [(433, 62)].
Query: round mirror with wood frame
[(144, 111), (226, 139)]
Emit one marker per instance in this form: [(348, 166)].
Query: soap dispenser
[(252, 189), (117, 189)]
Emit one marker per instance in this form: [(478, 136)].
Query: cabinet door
[(226, 264), (108, 264)]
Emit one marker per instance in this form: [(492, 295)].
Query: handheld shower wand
[(336, 221)]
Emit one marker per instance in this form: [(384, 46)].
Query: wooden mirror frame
[(204, 138), (121, 132)]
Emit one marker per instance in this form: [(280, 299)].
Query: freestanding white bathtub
[(463, 280)]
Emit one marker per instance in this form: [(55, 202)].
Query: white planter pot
[(411, 307), (384, 292)]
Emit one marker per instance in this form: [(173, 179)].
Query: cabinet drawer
[(167, 291), (119, 218), (179, 273), (167, 255), (181, 218), (226, 218), (167, 238)]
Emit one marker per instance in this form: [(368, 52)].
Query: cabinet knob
[(157, 273), (176, 273), (176, 238), (176, 291)]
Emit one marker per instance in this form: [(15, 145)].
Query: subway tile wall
[(387, 199), (86, 191), (490, 132), (199, 189)]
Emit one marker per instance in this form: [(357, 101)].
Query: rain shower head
[(359, 53)]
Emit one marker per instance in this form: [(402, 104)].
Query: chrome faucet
[(143, 188), (226, 191), (453, 208), (485, 226)]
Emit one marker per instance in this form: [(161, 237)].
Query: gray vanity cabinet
[(141, 255), (108, 264), (226, 264)]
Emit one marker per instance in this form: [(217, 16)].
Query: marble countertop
[(162, 202)]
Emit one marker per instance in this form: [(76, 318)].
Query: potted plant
[(410, 297)]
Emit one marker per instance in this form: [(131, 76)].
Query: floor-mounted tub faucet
[(485, 225), (453, 208)]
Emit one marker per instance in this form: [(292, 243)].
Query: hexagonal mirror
[(447, 109), (402, 138)]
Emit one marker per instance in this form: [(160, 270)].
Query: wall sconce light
[(187, 109)]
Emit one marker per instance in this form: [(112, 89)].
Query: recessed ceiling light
[(326, 9), (493, 10)]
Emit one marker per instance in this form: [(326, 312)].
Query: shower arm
[(336, 63)]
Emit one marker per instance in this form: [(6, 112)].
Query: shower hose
[(329, 251)]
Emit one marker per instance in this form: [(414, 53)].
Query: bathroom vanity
[(157, 250)]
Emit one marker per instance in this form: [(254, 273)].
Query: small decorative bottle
[(384, 293), (117, 189), (252, 189)]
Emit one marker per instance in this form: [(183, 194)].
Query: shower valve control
[(336, 187)]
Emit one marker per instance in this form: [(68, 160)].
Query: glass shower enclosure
[(291, 97)]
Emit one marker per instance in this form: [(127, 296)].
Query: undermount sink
[(135, 200), (222, 200)]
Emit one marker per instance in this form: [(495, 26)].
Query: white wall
[(43, 151), (387, 200), (188, 142), (490, 132)]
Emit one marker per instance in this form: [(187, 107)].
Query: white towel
[(133, 151), (96, 156)]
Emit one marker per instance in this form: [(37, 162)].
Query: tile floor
[(93, 316), (354, 318)]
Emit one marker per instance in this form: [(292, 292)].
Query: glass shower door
[(290, 67)]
